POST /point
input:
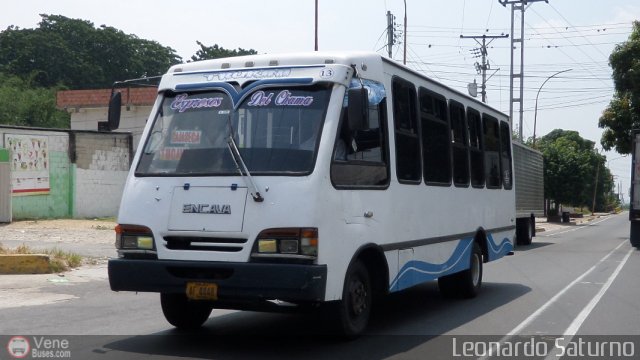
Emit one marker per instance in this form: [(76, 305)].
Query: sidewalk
[(542, 225)]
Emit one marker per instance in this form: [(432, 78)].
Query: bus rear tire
[(183, 313), (634, 233), (524, 231), (465, 284), (354, 309)]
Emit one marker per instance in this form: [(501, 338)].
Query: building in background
[(88, 107)]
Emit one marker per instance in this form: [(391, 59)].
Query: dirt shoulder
[(68, 224), (89, 238)]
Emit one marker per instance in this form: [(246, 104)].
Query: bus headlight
[(267, 246), (302, 242), (133, 237), (289, 246)]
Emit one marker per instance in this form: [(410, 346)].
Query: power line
[(567, 21), (579, 48)]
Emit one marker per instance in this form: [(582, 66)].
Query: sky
[(572, 35)]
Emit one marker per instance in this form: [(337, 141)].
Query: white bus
[(308, 179)]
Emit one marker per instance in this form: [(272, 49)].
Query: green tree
[(216, 52), (571, 165), (623, 112), (76, 54), (22, 104)]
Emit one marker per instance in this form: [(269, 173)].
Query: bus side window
[(460, 144), (505, 140), (476, 159), (406, 131), (360, 156), (491, 131), (436, 141)]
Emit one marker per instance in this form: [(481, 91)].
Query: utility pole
[(391, 37), (595, 188), (404, 61), (316, 47), (483, 53), (517, 5)]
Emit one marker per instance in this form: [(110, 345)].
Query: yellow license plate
[(202, 291)]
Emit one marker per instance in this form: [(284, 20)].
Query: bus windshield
[(277, 131)]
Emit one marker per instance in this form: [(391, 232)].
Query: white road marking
[(555, 298), (544, 307), (572, 330)]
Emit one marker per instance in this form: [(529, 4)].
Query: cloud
[(627, 13)]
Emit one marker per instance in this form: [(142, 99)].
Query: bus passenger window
[(436, 141), (476, 160), (505, 140), (491, 132), (360, 156), (406, 131), (459, 144)]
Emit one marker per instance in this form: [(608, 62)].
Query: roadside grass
[(59, 260)]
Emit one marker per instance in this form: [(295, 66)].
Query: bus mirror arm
[(115, 101)]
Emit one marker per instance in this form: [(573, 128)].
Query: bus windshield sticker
[(186, 137), (284, 98), (182, 103), (171, 153)]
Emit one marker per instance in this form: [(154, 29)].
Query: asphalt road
[(578, 281)]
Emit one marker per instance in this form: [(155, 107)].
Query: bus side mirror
[(115, 104), (358, 112)]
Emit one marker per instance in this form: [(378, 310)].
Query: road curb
[(24, 264)]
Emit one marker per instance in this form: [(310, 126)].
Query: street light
[(535, 116)]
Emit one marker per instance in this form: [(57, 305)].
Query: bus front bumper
[(235, 281)]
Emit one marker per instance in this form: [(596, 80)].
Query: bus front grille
[(204, 243)]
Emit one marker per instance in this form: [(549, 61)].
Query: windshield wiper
[(241, 166)]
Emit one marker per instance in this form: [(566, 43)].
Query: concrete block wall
[(102, 165), (98, 193)]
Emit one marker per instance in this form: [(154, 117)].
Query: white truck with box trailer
[(529, 184)]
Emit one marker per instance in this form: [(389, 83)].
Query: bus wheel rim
[(475, 269), (358, 295)]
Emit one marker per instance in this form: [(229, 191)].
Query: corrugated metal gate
[(5, 186)]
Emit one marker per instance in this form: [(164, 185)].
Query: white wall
[(102, 165), (98, 193), (132, 120)]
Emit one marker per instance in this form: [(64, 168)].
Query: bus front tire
[(354, 309), (183, 313), (465, 284)]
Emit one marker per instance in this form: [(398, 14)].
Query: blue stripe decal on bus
[(496, 251), (415, 272)]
